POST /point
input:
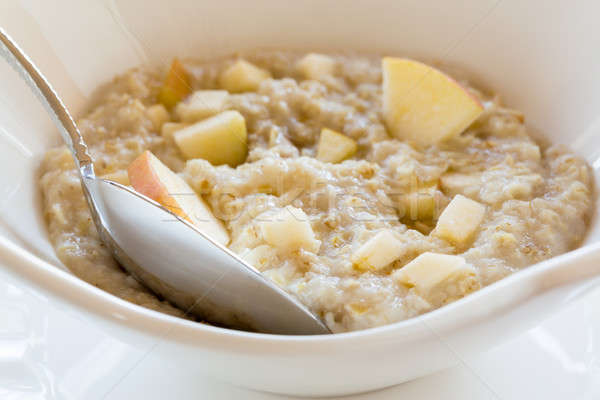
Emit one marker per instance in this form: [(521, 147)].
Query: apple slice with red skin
[(150, 177)]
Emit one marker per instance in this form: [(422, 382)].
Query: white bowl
[(540, 55)]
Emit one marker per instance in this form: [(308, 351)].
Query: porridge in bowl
[(371, 190)]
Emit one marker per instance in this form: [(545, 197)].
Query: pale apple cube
[(158, 114), (377, 252), (242, 76), (431, 273), (289, 230), (201, 104), (459, 220), (422, 104), (314, 66), (118, 176), (335, 147), (221, 139), (168, 129)]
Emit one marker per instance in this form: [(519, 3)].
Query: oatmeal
[(315, 176)]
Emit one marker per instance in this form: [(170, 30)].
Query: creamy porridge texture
[(362, 227)]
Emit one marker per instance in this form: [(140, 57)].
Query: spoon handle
[(13, 54)]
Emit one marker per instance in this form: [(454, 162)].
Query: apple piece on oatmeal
[(242, 76), (221, 139), (335, 147), (289, 229), (424, 105), (201, 104), (432, 274), (176, 87), (150, 177), (314, 66), (377, 252), (158, 114), (459, 220)]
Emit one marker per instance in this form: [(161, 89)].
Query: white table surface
[(48, 353)]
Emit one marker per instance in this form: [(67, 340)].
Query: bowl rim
[(74, 292)]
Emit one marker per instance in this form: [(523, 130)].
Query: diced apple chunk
[(117, 176), (176, 87), (220, 139), (201, 104), (459, 220), (377, 252), (424, 105), (335, 147), (242, 76), (314, 66), (431, 272), (158, 114), (168, 129), (150, 177), (290, 230)]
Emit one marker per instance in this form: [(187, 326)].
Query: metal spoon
[(163, 251)]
